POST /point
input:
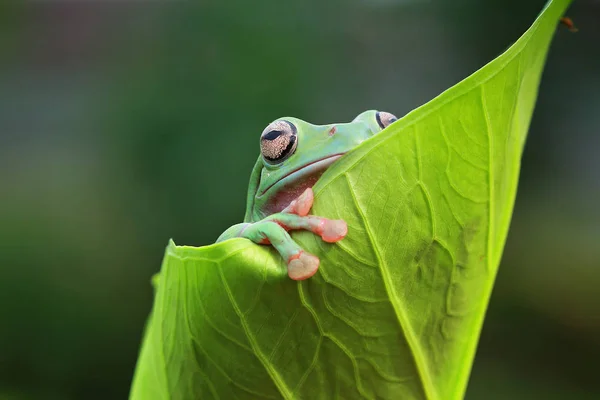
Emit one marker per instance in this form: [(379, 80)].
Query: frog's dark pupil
[(272, 135), (393, 119)]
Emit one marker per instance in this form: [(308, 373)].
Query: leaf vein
[(279, 382), (315, 316)]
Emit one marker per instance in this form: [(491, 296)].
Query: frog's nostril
[(332, 131)]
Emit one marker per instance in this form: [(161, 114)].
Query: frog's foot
[(330, 230), (273, 230), (301, 264), (295, 216), (301, 206)]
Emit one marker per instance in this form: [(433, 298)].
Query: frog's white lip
[(306, 169)]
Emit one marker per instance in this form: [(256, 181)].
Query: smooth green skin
[(396, 309), (317, 144)]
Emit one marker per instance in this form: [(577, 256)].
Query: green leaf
[(396, 309)]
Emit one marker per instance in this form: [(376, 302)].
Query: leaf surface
[(397, 307)]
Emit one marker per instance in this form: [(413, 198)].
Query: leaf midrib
[(403, 322)]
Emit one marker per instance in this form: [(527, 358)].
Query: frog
[(294, 154)]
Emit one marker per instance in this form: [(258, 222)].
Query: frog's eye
[(385, 119), (278, 141)]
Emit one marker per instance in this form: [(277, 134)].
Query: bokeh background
[(123, 124)]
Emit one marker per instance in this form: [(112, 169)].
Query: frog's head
[(294, 155)]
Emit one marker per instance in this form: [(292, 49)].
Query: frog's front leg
[(273, 230)]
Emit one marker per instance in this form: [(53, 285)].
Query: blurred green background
[(123, 124)]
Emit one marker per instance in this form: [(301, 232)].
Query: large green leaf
[(396, 309)]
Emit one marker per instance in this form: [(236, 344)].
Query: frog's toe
[(334, 230), (302, 266), (302, 205)]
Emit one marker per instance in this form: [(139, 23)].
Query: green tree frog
[(294, 154)]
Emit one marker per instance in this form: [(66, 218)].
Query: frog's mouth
[(293, 184)]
